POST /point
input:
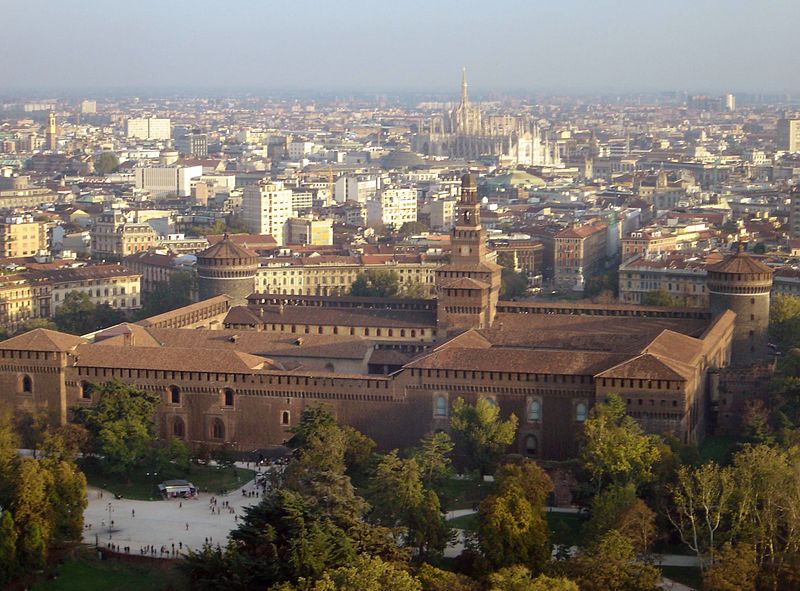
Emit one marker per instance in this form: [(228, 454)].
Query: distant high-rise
[(88, 107), (51, 135), (148, 128), (266, 207), (789, 134), (730, 102)]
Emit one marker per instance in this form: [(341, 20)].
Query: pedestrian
[(180, 505), (133, 512), (187, 527), (180, 545)]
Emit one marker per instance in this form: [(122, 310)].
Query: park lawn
[(717, 448), (138, 485), (467, 522), (82, 574), (465, 493), (687, 575), (565, 528)]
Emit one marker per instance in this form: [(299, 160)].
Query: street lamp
[(110, 509)]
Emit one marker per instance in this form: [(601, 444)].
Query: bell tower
[(468, 287)]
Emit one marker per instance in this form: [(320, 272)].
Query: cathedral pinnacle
[(464, 98)]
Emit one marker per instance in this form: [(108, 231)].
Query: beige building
[(22, 236), (266, 207), (309, 231), (117, 234), (682, 277), (104, 284), (333, 275)]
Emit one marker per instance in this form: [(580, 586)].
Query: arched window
[(534, 410), (218, 429), (174, 395), (440, 407), (178, 429), (27, 385), (580, 412), (531, 445), (228, 397), (86, 390), (285, 417)]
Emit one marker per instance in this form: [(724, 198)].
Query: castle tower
[(469, 286), (742, 284), (51, 135), (227, 269)]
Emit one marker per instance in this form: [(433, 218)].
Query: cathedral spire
[(464, 98)]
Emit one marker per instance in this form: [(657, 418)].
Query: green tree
[(519, 578), (120, 425), (735, 569), (513, 284), (701, 500), (512, 529), (33, 513), (412, 228), (8, 457), (611, 565), (78, 315), (169, 295), (8, 547), (436, 579), (659, 297), (485, 436), (376, 283), (614, 447), (617, 507), (432, 457), (784, 321), (67, 497), (105, 163), (32, 547), (396, 491), (366, 574)]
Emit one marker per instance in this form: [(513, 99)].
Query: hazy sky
[(418, 45)]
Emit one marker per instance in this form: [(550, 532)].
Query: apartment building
[(580, 253), (148, 128), (104, 284), (392, 206), (118, 234), (683, 277), (22, 236), (266, 207)]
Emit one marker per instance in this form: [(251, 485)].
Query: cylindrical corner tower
[(743, 284), (227, 269)]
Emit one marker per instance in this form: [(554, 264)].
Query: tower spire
[(464, 98)]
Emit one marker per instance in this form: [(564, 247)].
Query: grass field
[(565, 528), (717, 448), (466, 493), (86, 573), (141, 486)]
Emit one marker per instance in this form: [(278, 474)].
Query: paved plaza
[(137, 524)]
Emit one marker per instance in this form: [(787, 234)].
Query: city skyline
[(571, 47)]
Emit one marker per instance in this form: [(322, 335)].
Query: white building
[(300, 149), (88, 107), (161, 181), (266, 206), (393, 206), (357, 188), (443, 214), (148, 128)]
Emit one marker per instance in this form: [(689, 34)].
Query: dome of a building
[(402, 159), (515, 178), (226, 268), (226, 250), (740, 263), (468, 181)]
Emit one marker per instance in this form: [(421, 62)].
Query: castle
[(239, 367)]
